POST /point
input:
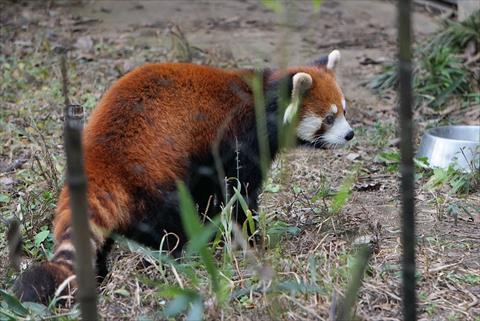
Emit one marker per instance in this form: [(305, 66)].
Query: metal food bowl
[(452, 145)]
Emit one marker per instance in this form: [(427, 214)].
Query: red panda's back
[(155, 117)]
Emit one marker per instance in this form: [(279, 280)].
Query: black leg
[(102, 255)]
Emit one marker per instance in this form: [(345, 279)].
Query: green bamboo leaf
[(316, 4), (38, 309), (341, 196), (357, 270), (274, 5), (176, 306), (190, 218), (241, 200), (40, 237), (193, 227), (7, 316), (4, 198), (196, 310), (203, 238), (14, 304)]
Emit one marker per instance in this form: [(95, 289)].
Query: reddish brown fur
[(151, 145), (150, 122), (146, 145)]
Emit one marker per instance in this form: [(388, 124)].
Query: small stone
[(353, 156), (6, 181), (84, 43), (365, 240)]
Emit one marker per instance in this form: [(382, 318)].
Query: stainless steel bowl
[(457, 145)]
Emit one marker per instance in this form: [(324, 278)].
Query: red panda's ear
[(330, 61), (301, 83), (333, 59)]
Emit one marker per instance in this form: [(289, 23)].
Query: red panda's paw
[(39, 282)]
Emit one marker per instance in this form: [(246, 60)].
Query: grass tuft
[(446, 67)]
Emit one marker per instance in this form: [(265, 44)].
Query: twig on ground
[(14, 239)]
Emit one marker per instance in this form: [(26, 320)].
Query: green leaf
[(196, 310), (202, 239), (341, 196), (422, 162), (4, 198), (190, 218), (297, 189), (122, 292), (357, 269), (274, 5), (8, 316), (193, 228), (389, 157), (316, 4), (279, 229), (439, 178), (250, 221), (312, 267), (37, 308), (241, 200), (272, 188), (183, 299), (177, 305), (173, 291), (40, 237), (14, 304)]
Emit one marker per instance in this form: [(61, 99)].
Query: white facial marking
[(336, 134), (344, 103), (308, 126), (334, 108)]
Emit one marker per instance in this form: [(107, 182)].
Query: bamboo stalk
[(407, 168), (77, 185), (345, 311)]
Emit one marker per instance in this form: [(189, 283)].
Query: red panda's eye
[(329, 120)]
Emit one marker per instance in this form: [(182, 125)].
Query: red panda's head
[(319, 104)]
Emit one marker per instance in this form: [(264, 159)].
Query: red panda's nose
[(350, 135)]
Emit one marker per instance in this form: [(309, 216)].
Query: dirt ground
[(109, 38)]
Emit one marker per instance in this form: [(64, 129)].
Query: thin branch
[(77, 184), (14, 240), (407, 166)]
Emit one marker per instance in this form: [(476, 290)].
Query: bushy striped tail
[(42, 282), (106, 212)]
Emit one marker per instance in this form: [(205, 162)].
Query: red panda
[(158, 124)]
